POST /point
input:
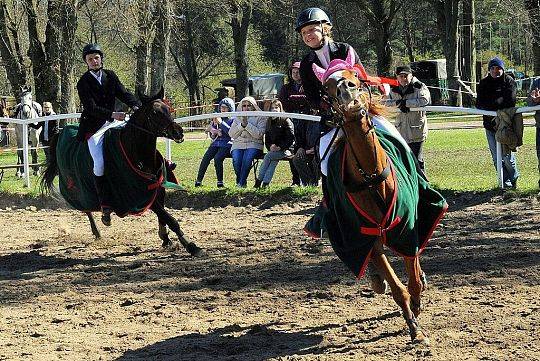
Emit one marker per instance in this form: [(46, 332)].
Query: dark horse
[(138, 147)]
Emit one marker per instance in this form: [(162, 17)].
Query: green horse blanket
[(132, 191), (415, 211)]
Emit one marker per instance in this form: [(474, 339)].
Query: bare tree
[(447, 23), (382, 15), (533, 8), (469, 47), (240, 19), (160, 45), (11, 49), (144, 36)]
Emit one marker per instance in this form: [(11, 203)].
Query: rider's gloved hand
[(118, 115)]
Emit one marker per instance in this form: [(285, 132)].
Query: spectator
[(222, 93), (50, 128), (247, 133), (220, 148), (411, 93), (305, 158), (294, 100), (279, 140), (532, 100), (498, 91)]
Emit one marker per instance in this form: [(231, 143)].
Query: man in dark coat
[(498, 91), (98, 89)]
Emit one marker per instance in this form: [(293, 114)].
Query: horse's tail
[(51, 169)]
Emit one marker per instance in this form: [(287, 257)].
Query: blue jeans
[(268, 166), (509, 166), (218, 154), (242, 160)]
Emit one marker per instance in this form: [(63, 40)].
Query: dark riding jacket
[(98, 100)]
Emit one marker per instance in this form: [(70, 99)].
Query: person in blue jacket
[(220, 148)]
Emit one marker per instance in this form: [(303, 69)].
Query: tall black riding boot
[(102, 190)]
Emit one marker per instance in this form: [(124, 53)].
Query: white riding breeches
[(95, 145)]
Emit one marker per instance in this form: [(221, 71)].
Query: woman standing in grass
[(279, 140), (247, 133), (220, 148)]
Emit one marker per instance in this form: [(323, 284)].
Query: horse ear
[(319, 72), (161, 93)]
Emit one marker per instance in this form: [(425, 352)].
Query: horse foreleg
[(95, 230), (399, 293), (165, 219), (34, 154), (416, 284), (20, 160)]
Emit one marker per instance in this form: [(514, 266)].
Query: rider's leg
[(95, 145)]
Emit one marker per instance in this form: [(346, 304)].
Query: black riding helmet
[(311, 16), (91, 49)]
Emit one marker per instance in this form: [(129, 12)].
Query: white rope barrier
[(446, 109)]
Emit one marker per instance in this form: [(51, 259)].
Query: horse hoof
[(194, 250), (421, 339)]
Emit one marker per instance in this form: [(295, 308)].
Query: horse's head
[(155, 117), (27, 110), (347, 86)]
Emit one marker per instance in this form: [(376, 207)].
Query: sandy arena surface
[(264, 291)]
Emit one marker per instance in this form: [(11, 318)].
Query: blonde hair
[(327, 31)]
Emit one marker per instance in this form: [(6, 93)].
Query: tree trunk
[(51, 83), (408, 38), (381, 15), (533, 7), (384, 50), (191, 67), (241, 18), (67, 60), (447, 22), (160, 46), (469, 49), (142, 48), (10, 50)]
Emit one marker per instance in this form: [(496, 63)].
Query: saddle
[(132, 190)]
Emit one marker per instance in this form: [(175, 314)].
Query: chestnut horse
[(362, 188)]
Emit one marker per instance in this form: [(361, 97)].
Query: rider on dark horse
[(98, 89)]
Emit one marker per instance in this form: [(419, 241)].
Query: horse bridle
[(159, 133)]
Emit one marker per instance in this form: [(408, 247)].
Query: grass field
[(456, 160)]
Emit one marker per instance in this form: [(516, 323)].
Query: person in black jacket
[(498, 91), (279, 141), (98, 89), (50, 128)]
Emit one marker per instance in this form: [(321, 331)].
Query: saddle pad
[(416, 211), (132, 191)]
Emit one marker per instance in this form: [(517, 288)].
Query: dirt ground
[(264, 291)]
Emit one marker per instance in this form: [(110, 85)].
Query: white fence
[(168, 143)]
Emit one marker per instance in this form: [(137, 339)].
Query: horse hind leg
[(95, 230), (399, 293)]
